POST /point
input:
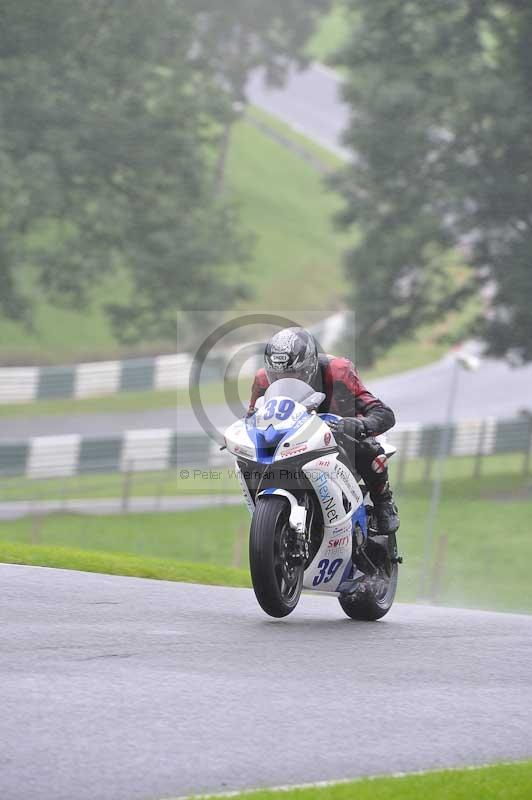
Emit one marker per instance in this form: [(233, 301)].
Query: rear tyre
[(375, 595), (276, 577)]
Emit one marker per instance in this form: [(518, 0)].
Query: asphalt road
[(419, 395), (311, 102), (122, 689)]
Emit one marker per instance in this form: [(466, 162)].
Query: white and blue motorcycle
[(313, 525)]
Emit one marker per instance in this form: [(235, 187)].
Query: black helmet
[(291, 353)]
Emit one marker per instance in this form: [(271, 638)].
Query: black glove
[(354, 427)]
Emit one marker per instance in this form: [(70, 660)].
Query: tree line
[(441, 183), (115, 120), (114, 123)]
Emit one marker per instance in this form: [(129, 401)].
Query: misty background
[(167, 166)]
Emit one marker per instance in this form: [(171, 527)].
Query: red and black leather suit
[(346, 396)]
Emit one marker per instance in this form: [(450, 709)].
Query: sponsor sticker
[(345, 477), (327, 439), (337, 542), (293, 451), (379, 464), (328, 502)]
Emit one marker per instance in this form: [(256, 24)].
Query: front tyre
[(276, 575)]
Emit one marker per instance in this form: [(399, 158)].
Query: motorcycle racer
[(293, 353)]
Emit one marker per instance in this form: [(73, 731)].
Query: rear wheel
[(375, 594), (276, 574)]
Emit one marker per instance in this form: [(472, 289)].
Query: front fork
[(299, 539)]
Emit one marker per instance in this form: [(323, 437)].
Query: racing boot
[(385, 510)]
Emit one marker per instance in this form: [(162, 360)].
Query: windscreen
[(297, 390), (289, 387)]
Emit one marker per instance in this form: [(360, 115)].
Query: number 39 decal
[(327, 571), (282, 413)]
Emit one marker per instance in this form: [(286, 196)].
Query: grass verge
[(211, 393), (325, 159), (216, 536), (125, 401), (121, 564), (498, 782)]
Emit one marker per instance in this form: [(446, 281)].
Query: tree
[(239, 37), (442, 137), (108, 125)]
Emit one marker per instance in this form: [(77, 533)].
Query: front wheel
[(276, 574)]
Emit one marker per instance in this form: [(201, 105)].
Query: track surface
[(311, 102), (126, 688)]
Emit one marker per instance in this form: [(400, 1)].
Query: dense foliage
[(442, 135), (111, 121)]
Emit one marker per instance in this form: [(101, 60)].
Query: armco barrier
[(26, 384), (133, 451), (162, 449)]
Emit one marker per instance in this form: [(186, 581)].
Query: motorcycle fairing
[(269, 441), (267, 438), (332, 481), (245, 490), (298, 514), (239, 442)]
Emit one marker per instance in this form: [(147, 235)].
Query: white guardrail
[(27, 384), (162, 449)]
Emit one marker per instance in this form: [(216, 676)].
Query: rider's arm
[(378, 418), (358, 401), (260, 384)]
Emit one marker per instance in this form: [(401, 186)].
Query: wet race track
[(114, 687)]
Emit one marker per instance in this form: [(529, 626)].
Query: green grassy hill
[(297, 264)]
